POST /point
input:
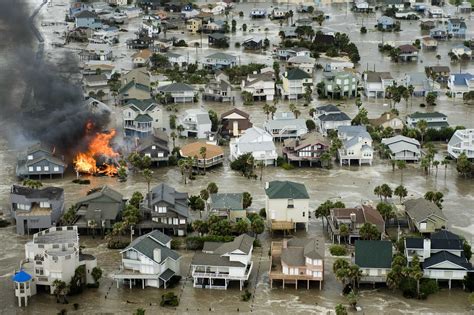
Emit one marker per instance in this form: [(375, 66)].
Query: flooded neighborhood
[(192, 157)]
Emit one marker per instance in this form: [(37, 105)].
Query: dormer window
[(291, 203), (30, 157)]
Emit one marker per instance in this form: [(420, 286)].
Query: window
[(309, 261), (30, 157), (148, 155), (422, 226), (317, 274), (30, 169), (153, 147), (161, 154), (182, 221), (304, 214), (46, 168), (56, 168), (291, 203), (317, 262), (161, 209), (45, 204), (175, 221), (38, 168)]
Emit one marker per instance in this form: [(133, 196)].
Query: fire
[(99, 147)]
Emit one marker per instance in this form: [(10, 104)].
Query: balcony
[(221, 275)]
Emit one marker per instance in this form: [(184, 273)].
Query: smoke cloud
[(37, 103)]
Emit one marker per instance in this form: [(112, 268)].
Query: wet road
[(351, 184)]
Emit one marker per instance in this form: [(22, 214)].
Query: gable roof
[(222, 56), (140, 105), (110, 193), (328, 108), (286, 190), (400, 138), (373, 254), (444, 256), (341, 116), (418, 115), (147, 243), (236, 111), (385, 117), (421, 209), (176, 87), (243, 243), (306, 140), (168, 194), (215, 254), (86, 14)]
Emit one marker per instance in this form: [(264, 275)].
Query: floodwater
[(352, 185)]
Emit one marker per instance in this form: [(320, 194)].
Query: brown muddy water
[(351, 184)]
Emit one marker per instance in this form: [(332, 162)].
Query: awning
[(167, 275)]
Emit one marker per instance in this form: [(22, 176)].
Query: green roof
[(373, 254), (286, 190), (231, 201), (141, 105), (143, 118), (297, 74)]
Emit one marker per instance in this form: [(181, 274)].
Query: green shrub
[(408, 287), (246, 296), (169, 299), (4, 223), (117, 244), (280, 161), (263, 213), (338, 250), (287, 166), (176, 243), (427, 287), (81, 181), (256, 243)]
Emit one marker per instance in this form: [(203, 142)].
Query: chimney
[(157, 254), (267, 185), (426, 248), (388, 116)]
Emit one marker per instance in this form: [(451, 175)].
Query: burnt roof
[(47, 192)]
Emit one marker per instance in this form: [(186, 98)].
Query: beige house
[(141, 58), (136, 84), (286, 205), (387, 120), (296, 260), (424, 216), (193, 25)]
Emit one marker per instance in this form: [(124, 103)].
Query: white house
[(435, 120), (196, 123), (441, 255), (140, 117), (462, 141), (152, 27), (284, 125), (219, 263), (54, 254), (179, 92), (461, 50), (260, 85), (149, 259), (96, 51), (374, 258), (330, 117), (460, 83), (219, 60), (176, 59), (403, 148), (256, 141), (356, 145), (286, 205), (375, 83), (304, 63)]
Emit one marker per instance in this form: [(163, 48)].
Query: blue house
[(87, 19), (457, 28), (385, 23), (439, 33)]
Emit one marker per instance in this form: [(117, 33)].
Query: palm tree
[(401, 166), (31, 183), (436, 164), (292, 107), (425, 165), (320, 19), (173, 136), (202, 152), (343, 231), (266, 109), (180, 129), (386, 191), (422, 126), (401, 192), (378, 192), (148, 175), (182, 164), (411, 90), (355, 274), (445, 162), (297, 113), (60, 289)]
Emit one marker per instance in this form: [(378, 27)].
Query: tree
[(173, 136), (378, 192), (463, 165), (361, 118), (436, 164), (310, 124), (60, 290), (212, 188), (326, 159), (386, 191), (202, 153), (218, 226), (340, 269), (422, 126), (320, 19), (401, 166), (416, 272), (184, 166), (159, 61), (445, 162), (431, 98), (241, 227), (386, 211), (340, 309), (401, 192), (202, 227), (196, 203), (398, 271), (136, 199), (244, 27), (147, 176), (204, 194), (234, 25), (323, 210), (96, 274), (369, 231), (247, 199), (411, 90), (352, 299), (435, 197), (139, 311), (344, 230), (31, 183), (258, 226), (214, 120)]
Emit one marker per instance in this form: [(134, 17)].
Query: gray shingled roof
[(286, 190), (446, 256), (176, 87), (421, 209), (146, 244), (231, 201), (177, 200), (243, 243)]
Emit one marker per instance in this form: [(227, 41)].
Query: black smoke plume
[(38, 103)]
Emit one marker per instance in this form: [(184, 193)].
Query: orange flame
[(99, 146)]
